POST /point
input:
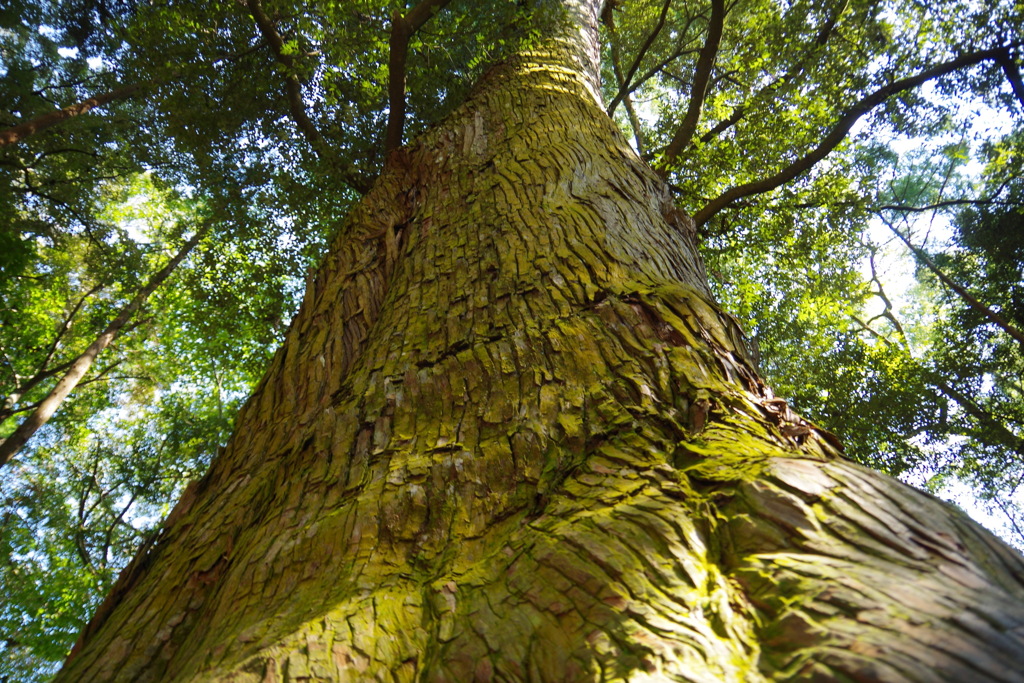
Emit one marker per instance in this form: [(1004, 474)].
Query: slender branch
[(963, 201), (887, 311), (942, 205), (293, 89), (109, 535), (66, 325), (402, 29), (613, 41), (83, 551), (1003, 434), (839, 132), (21, 131), (1010, 518), (966, 296), (48, 406), (296, 106), (660, 68), (12, 399), (624, 85), (812, 52), (699, 89)]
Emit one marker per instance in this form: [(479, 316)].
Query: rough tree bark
[(510, 436)]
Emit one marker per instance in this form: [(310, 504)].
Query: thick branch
[(964, 295), (839, 132), (402, 29), (701, 78), (293, 88), (1012, 75), (21, 131), (296, 106), (48, 406), (627, 79)]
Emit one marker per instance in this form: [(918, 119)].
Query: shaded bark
[(510, 436)]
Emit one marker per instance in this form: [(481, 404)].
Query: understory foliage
[(834, 208)]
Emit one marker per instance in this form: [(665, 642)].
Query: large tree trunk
[(511, 437)]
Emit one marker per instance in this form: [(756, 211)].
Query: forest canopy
[(173, 171)]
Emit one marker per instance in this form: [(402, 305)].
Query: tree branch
[(21, 131), (964, 295), (12, 399), (661, 67), (402, 29), (66, 325), (296, 106), (822, 37), (1004, 435), (613, 41), (1012, 75), (293, 89), (48, 406), (839, 132), (624, 84), (699, 89), (942, 205)]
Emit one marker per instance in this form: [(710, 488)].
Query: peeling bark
[(510, 436)]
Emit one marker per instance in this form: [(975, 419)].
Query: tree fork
[(509, 436)]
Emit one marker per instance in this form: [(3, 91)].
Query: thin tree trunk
[(509, 436), (964, 295), (10, 446)]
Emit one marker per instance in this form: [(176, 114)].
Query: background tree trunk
[(510, 436)]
